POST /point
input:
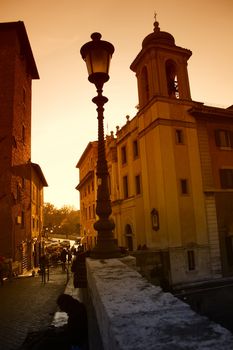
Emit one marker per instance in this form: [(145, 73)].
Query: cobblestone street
[(27, 304)]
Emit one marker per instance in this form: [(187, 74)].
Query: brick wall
[(15, 142)]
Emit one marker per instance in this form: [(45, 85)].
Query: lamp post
[(97, 55)]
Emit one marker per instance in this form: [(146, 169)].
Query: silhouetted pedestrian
[(43, 262), (69, 256), (10, 270), (73, 335), (63, 259), (1, 270), (78, 268), (76, 329)]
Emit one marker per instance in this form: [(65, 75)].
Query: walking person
[(10, 270), (78, 268), (69, 256), (43, 263), (1, 270), (63, 259)]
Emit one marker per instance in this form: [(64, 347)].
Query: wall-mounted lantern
[(155, 219)]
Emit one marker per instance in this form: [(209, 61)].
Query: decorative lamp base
[(106, 249)]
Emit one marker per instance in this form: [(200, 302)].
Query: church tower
[(171, 172), (161, 68)]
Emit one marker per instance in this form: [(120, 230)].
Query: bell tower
[(161, 68), (171, 172)]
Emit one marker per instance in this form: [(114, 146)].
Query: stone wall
[(132, 314)]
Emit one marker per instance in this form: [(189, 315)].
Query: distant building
[(21, 181), (171, 170), (87, 189)]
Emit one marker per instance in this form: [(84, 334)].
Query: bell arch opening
[(145, 85), (172, 79)]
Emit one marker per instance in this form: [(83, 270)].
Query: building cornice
[(84, 154), (89, 175), (202, 111), (24, 43), (39, 173), (166, 122), (156, 48)]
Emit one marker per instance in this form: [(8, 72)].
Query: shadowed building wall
[(17, 69)]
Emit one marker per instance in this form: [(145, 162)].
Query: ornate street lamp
[(97, 55)]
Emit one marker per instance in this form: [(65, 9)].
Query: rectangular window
[(123, 155), (37, 200), (138, 184), (224, 138), (93, 210), (226, 178), (33, 192), (135, 149), (184, 186), (125, 187), (24, 96), (23, 182), (191, 260), (23, 133), (179, 134), (22, 219), (18, 193)]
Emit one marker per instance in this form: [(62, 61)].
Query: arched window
[(172, 81), (145, 84)]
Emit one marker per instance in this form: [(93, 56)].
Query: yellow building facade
[(87, 189), (157, 169)]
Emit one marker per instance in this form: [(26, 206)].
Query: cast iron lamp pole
[(97, 55)]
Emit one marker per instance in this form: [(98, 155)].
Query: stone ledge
[(132, 314)]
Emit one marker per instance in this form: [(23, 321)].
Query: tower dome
[(158, 37)]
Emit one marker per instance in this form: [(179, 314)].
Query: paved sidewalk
[(27, 304)]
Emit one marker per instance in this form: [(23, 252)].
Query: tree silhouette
[(64, 221)]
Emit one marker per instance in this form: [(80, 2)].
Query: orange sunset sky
[(63, 116)]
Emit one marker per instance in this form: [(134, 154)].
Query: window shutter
[(231, 138), (226, 178), (223, 178)]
